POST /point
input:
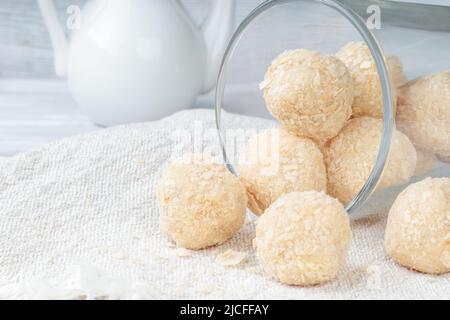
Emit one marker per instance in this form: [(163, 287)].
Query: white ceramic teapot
[(138, 60)]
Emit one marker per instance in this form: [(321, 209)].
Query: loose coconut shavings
[(82, 282), (231, 258)]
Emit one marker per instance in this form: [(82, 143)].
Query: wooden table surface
[(35, 112)]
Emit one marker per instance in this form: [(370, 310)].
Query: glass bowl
[(419, 35)]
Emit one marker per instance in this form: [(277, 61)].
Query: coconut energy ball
[(303, 238), (310, 94), (418, 228), (425, 162), (202, 204), (351, 156), (424, 113), (368, 96), (275, 162)]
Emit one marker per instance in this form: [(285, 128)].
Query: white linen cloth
[(89, 201)]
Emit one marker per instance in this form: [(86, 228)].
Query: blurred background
[(36, 107), (25, 50)]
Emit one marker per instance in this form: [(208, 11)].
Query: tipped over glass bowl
[(413, 39)]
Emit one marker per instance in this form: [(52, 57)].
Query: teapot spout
[(217, 31), (57, 36)]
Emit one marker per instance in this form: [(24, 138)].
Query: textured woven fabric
[(90, 200)]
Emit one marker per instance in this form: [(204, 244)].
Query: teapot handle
[(57, 36)]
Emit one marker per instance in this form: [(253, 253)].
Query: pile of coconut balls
[(329, 110)]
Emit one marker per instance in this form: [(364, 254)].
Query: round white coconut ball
[(368, 96), (310, 94), (425, 162), (424, 113), (351, 156), (275, 162), (202, 204), (418, 228), (303, 238)]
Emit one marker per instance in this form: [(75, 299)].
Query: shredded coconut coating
[(418, 229), (351, 156), (424, 113), (303, 238), (368, 96), (275, 162), (310, 94), (425, 162), (202, 204)]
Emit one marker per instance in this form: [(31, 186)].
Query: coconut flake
[(183, 253), (231, 258), (82, 282)]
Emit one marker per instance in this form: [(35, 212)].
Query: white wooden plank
[(25, 46), (35, 112)]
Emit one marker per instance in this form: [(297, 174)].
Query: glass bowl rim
[(387, 92)]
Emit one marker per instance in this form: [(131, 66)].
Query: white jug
[(139, 60)]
